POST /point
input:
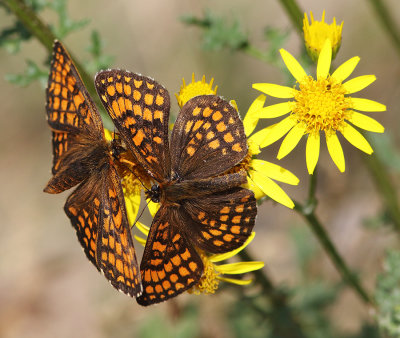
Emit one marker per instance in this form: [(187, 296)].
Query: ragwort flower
[(319, 105), (316, 33)]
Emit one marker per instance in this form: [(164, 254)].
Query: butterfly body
[(83, 157), (202, 206)]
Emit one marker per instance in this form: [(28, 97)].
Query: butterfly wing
[(220, 222), (170, 265), (139, 108), (208, 138), (71, 115), (97, 212)]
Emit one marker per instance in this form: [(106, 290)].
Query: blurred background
[(47, 286)]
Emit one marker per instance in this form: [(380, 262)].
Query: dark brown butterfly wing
[(73, 118), (139, 108), (170, 264), (97, 212), (221, 222), (208, 138)]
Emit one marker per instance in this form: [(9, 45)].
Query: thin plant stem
[(43, 33), (387, 21), (295, 14), (307, 211), (286, 324)]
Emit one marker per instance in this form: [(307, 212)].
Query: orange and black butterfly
[(202, 206), (81, 155)]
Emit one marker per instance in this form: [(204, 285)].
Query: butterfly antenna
[(121, 161), (141, 213)]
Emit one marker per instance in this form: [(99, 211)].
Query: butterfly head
[(154, 193)]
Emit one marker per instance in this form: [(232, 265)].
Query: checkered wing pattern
[(139, 108), (170, 264), (70, 110), (220, 222), (208, 138), (97, 212)]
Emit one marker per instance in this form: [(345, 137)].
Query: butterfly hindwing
[(97, 212), (221, 222), (139, 108), (170, 264), (207, 139)]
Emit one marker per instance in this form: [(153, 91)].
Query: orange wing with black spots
[(208, 138), (170, 265), (81, 155), (97, 212), (70, 110), (221, 222), (139, 108)]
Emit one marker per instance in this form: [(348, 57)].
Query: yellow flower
[(214, 273), (324, 105), (262, 173), (316, 34), (195, 88)]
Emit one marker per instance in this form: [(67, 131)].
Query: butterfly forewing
[(208, 138), (97, 212), (170, 264), (139, 108)]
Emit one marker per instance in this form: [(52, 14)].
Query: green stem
[(308, 213), (284, 323), (42, 32), (387, 21), (295, 14)]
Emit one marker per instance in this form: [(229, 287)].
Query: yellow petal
[(275, 110), (312, 151), (291, 140), (238, 268), (324, 60), (235, 281), (153, 207), (358, 83), (143, 228), (271, 189), (221, 257), (292, 64), (345, 69), (275, 90), (258, 193), (258, 137), (141, 240), (274, 171), (108, 135), (277, 130), (356, 139), (365, 122), (132, 203), (253, 114), (335, 150), (367, 105)]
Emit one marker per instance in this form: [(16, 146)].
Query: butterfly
[(201, 205), (81, 155)]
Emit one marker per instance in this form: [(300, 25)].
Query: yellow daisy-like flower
[(195, 88), (316, 33), (319, 105), (214, 273), (262, 173)]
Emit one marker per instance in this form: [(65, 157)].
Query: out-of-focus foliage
[(185, 325), (218, 32), (12, 37), (387, 295)]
